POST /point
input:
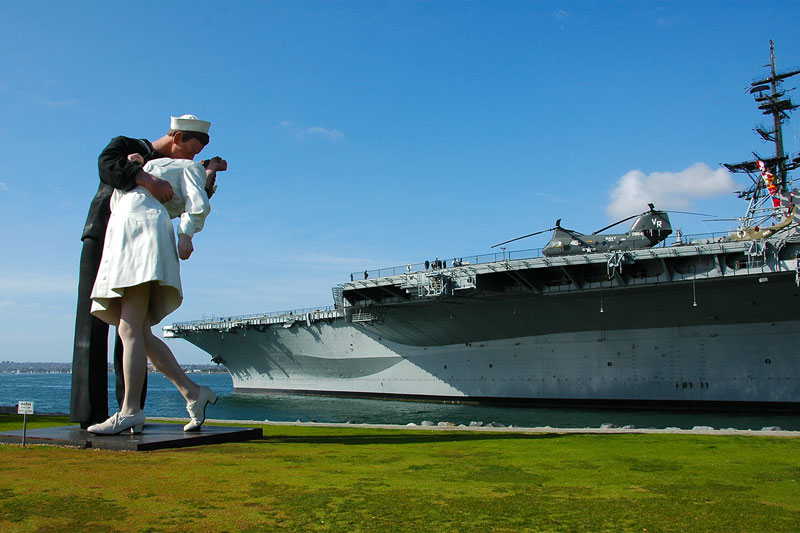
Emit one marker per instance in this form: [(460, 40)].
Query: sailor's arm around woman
[(139, 279)]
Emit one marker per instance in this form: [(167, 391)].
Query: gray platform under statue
[(153, 437)]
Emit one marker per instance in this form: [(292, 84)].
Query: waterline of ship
[(50, 394)]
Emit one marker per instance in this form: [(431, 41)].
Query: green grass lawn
[(354, 479)]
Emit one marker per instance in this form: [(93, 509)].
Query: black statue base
[(153, 437)]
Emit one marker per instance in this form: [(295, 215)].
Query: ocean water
[(51, 392)]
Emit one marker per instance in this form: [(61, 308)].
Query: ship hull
[(733, 364), (723, 335)]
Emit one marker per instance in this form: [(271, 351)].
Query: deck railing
[(244, 318), (702, 238), (530, 253)]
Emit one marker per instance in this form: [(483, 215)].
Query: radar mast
[(770, 175)]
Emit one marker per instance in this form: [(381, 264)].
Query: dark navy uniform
[(89, 399)]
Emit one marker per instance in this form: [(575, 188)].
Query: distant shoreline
[(25, 367)]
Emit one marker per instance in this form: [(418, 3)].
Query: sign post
[(24, 409)]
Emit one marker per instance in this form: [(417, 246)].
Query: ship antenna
[(772, 100), (777, 120)]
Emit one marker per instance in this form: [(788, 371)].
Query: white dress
[(140, 241)]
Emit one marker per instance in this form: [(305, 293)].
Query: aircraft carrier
[(645, 318)]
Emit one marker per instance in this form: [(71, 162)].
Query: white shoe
[(197, 408), (117, 423)]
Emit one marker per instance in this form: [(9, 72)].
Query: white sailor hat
[(189, 123)]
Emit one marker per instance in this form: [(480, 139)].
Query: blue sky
[(367, 134)]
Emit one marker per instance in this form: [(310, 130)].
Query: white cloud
[(316, 258), (300, 132), (62, 104), (667, 190), (3, 186), (561, 15), (14, 310), (25, 283), (552, 198), (332, 134)]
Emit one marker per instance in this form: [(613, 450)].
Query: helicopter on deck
[(649, 229)]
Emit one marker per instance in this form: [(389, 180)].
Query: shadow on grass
[(400, 438)]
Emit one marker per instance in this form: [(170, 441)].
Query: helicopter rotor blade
[(615, 223), (524, 236), (690, 213), (652, 209)]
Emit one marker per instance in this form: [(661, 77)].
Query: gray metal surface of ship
[(644, 318)]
